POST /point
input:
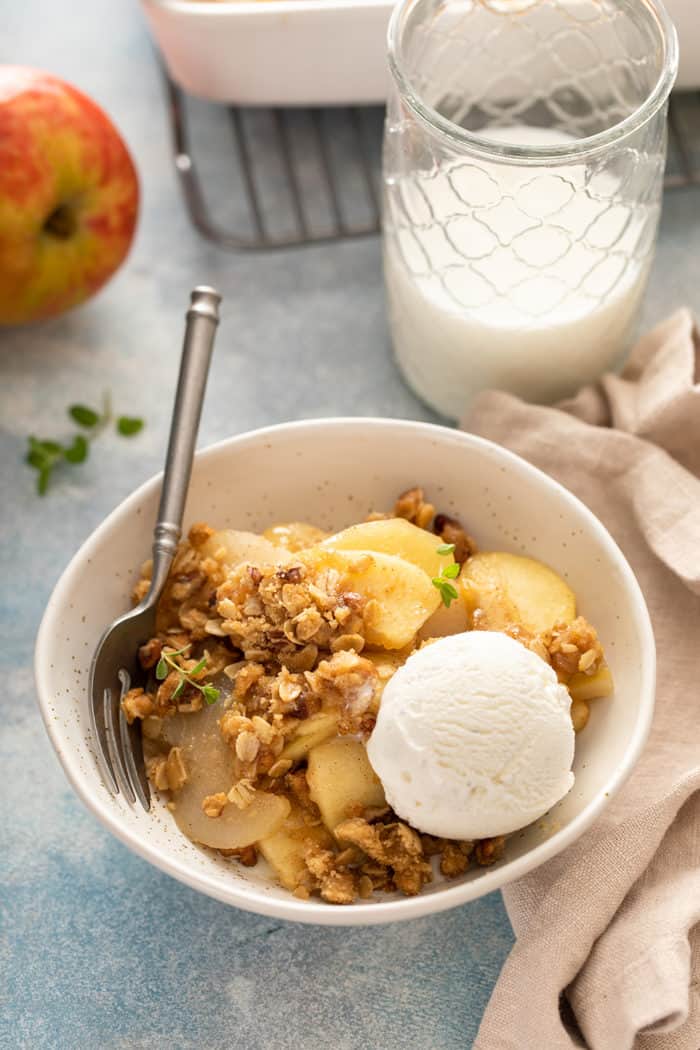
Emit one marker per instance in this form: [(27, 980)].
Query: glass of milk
[(524, 154)]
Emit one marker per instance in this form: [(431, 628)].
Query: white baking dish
[(275, 52), (308, 52)]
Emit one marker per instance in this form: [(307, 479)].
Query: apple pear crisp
[(265, 676)]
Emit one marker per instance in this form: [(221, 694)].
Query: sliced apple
[(209, 763), (386, 665), (233, 546), (591, 686), (452, 619), (393, 536), (284, 850), (403, 595), (511, 589), (341, 780), (311, 731), (294, 535)]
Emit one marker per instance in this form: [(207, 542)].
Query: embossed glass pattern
[(523, 161)]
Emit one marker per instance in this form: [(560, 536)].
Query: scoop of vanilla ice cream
[(474, 737)]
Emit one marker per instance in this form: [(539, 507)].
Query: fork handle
[(202, 320)]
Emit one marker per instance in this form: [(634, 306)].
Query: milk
[(523, 279)]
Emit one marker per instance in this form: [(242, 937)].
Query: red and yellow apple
[(69, 196)]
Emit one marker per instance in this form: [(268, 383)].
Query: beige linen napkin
[(614, 921)]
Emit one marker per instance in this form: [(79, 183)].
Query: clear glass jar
[(524, 153)]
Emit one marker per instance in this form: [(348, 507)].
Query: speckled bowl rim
[(312, 911)]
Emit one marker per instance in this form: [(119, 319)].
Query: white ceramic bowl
[(332, 472)]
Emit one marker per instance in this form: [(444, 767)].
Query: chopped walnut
[(412, 506), (301, 659), (214, 805), (320, 862), (275, 612), (455, 857), (394, 845), (450, 531), (185, 602), (199, 534), (247, 856), (167, 702), (431, 844), (573, 648), (137, 704), (246, 678), (488, 851), (297, 786), (538, 643), (349, 683), (141, 589), (256, 742), (177, 639), (335, 883), (379, 875), (339, 887), (149, 653)]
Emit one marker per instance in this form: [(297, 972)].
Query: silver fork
[(118, 745)]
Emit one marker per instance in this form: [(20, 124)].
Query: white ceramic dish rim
[(264, 10), (384, 911)]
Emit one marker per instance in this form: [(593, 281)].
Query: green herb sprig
[(168, 662), (448, 591), (45, 455)]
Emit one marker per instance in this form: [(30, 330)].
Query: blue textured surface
[(97, 948)]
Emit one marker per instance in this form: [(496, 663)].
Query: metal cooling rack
[(283, 177), (683, 166), (290, 177)]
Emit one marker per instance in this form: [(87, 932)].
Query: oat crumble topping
[(287, 645)]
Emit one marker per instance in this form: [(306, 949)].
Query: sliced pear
[(209, 763), (511, 589), (403, 595), (284, 850), (294, 535), (233, 546), (393, 536), (341, 780)]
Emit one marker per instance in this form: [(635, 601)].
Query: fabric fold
[(612, 923)]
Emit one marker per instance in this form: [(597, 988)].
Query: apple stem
[(61, 222)]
